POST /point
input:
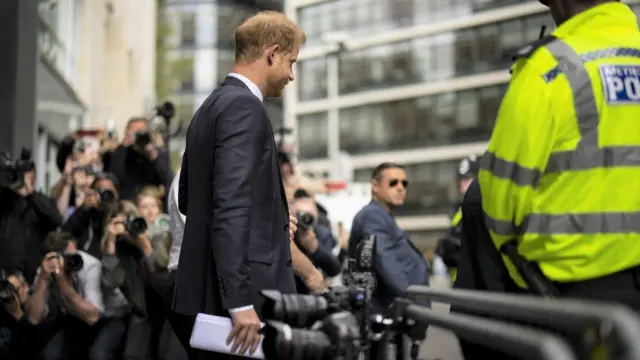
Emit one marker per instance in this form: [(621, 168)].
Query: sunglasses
[(394, 182)]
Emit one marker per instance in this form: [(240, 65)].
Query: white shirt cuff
[(243, 308)]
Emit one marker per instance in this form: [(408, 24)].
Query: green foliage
[(169, 72)]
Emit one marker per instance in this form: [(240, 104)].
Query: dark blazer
[(398, 262), (236, 237)]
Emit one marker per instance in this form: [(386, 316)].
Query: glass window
[(441, 119), (182, 70), (366, 17), (312, 136), (312, 79), (229, 18), (187, 29), (488, 47)]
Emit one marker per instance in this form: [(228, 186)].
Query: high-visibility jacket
[(562, 171), (456, 230)]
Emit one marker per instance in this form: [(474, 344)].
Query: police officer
[(449, 247), (559, 179), (560, 174)]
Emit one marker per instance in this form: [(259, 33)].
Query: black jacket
[(24, 223), (134, 171)]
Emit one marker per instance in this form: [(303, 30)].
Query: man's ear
[(271, 53)]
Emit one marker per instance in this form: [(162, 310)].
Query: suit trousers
[(482, 268)]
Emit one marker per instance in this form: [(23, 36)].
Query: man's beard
[(276, 88)]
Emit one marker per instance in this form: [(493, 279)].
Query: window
[(229, 18), (366, 17), (274, 110), (313, 135), (470, 51), (187, 29), (441, 119), (312, 79)]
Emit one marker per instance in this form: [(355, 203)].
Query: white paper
[(210, 333)]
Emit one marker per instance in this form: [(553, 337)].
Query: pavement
[(441, 344)]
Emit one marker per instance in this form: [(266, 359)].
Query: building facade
[(95, 62), (202, 49), (417, 82)]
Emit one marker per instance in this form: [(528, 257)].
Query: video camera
[(340, 322), (12, 171)]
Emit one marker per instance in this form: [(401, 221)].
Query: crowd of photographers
[(81, 268)]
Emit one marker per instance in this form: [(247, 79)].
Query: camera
[(305, 220), (72, 262), (12, 171), (135, 226), (335, 338), (166, 110), (107, 197), (7, 290), (142, 138), (304, 310)]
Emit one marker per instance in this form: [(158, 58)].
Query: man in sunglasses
[(398, 262)]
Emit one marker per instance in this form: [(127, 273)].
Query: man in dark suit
[(238, 228), (398, 262)]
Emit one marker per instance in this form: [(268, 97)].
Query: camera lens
[(106, 196), (142, 138), (293, 309), (72, 262), (283, 342), (136, 226)]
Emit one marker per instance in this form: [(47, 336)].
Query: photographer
[(128, 265), (306, 237), (137, 163), (86, 223), (82, 331), (72, 187), (26, 216)]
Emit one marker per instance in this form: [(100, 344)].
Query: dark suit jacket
[(398, 262), (236, 238)]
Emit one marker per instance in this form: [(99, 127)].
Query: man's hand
[(293, 222), (245, 332), (50, 265), (315, 282), (308, 240), (27, 188), (150, 152)]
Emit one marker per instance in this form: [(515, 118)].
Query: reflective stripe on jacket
[(562, 171)]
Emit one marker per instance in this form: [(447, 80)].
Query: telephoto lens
[(106, 196), (281, 342), (293, 309)]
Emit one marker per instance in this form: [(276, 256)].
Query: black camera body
[(72, 262), (12, 171), (142, 138), (306, 220), (135, 226), (7, 290)]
